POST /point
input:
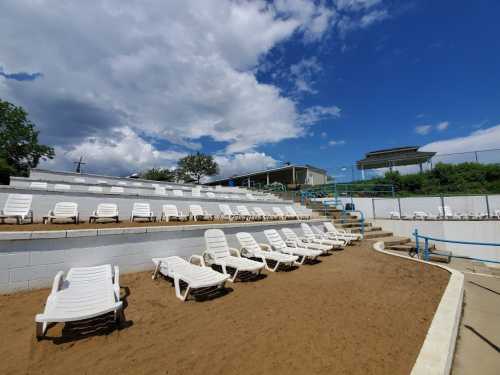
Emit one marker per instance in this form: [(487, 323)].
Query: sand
[(356, 312)]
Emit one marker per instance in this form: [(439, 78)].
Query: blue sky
[(256, 83)]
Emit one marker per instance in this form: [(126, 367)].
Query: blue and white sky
[(138, 84)]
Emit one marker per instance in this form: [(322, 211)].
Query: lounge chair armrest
[(116, 282), (265, 246), (197, 260), (57, 283), (291, 243), (234, 252)]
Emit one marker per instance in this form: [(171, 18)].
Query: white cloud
[(423, 129), (442, 126), (243, 163), (483, 139), (373, 17), (336, 143), (302, 75), (356, 5), (317, 113), (323, 135)]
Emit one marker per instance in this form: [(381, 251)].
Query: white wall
[(471, 231), (32, 262)]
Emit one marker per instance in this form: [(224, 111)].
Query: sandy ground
[(356, 312)]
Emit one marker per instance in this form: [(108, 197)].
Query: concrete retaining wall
[(29, 260)]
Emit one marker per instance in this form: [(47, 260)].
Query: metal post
[(373, 208), (362, 173), (393, 191), (442, 205), (267, 178), (417, 246), (399, 206), (487, 206), (475, 154)]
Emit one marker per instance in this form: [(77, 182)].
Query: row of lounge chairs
[(445, 213), (88, 292), (18, 206)]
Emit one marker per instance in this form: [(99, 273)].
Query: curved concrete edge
[(438, 349)]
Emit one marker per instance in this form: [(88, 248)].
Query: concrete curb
[(438, 349)]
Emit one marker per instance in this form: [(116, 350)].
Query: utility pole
[(79, 164)]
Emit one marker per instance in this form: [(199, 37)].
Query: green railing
[(346, 190)]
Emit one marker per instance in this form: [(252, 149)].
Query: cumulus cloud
[(483, 139), (179, 71), (423, 129), (303, 73), (442, 126), (336, 143), (243, 163)]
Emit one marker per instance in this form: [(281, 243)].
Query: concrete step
[(353, 225), (391, 241), (377, 235), (366, 229)]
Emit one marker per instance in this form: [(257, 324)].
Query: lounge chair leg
[(40, 330), (276, 266)]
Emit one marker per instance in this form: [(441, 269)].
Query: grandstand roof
[(399, 156)]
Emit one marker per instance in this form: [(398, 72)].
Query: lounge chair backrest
[(278, 211), (196, 210), (62, 187), (107, 210), (65, 209), (225, 209), (38, 185), (308, 233), (160, 190), (275, 239), (95, 189), (216, 243), (18, 204), (290, 211), (210, 194), (247, 241), (178, 193), (259, 211), (102, 181), (137, 183), (79, 179), (141, 209), (170, 210), (440, 210), (123, 183), (243, 210), (448, 211), (290, 234), (250, 196), (196, 192), (117, 189), (330, 227)]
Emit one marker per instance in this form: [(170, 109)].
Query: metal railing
[(426, 252)]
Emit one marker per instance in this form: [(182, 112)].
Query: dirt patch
[(356, 312)]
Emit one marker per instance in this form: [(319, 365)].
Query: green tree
[(19, 147), (159, 174), (197, 166)]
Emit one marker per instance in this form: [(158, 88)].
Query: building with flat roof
[(292, 174), (394, 157)]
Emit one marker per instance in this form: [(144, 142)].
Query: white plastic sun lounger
[(259, 213), (63, 211), (321, 239), (17, 206), (244, 213), (83, 294), (219, 253), (290, 213), (295, 241), (105, 211), (160, 190), (445, 212), (197, 213), (210, 195), (117, 190), (226, 213), (95, 189), (251, 249), (169, 211), (62, 187), (38, 185), (142, 210), (278, 213), (196, 193), (330, 228), (178, 193), (197, 277), (278, 244)]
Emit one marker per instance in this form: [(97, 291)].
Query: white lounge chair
[(136, 183), (210, 195), (259, 213), (95, 189), (278, 213), (250, 196), (84, 293), (219, 253), (79, 180), (63, 211), (62, 187), (160, 190), (227, 213), (177, 193), (38, 185), (123, 183), (170, 211), (198, 213), (251, 249), (309, 236), (445, 212), (103, 182), (117, 190), (105, 211), (199, 279), (142, 210), (496, 215), (394, 215), (290, 213), (196, 193), (330, 228), (17, 206), (292, 239), (278, 244), (244, 213)]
